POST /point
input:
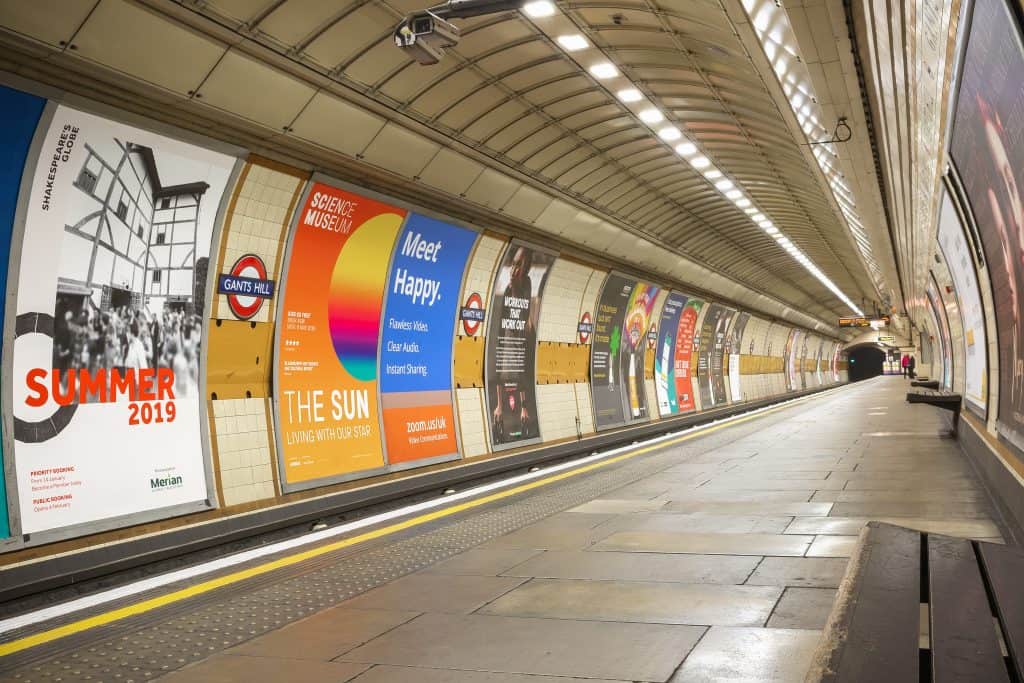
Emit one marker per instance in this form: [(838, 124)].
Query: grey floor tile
[(832, 546), (557, 534), (918, 510), (806, 608), (966, 528), (434, 593), (704, 495), (710, 544), (631, 601), (906, 495), (234, 668), (759, 484), (611, 566), (727, 524), (618, 506), (553, 647), (750, 508), (750, 654), (406, 674), (326, 635), (812, 572), (483, 562)]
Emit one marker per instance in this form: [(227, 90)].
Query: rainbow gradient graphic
[(356, 293)]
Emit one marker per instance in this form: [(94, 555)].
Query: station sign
[(890, 339), (246, 286), (864, 322)]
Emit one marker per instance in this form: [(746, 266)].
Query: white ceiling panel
[(241, 85), (133, 40), (400, 151), (451, 172), (336, 124), (49, 21)]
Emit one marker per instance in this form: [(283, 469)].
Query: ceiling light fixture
[(651, 115), (685, 149), (669, 133), (573, 42), (630, 95), (539, 9), (604, 70)]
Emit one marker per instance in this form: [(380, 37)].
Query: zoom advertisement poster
[(327, 337), (733, 349), (617, 354), (510, 353), (960, 261), (942, 324), (21, 117), (789, 356), (664, 359), (110, 300), (415, 347)]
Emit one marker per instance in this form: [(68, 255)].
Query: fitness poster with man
[(510, 354)]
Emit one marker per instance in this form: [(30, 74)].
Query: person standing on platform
[(905, 362), (911, 364)]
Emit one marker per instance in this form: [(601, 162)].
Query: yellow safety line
[(228, 579)]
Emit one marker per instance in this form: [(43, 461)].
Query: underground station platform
[(511, 341), (717, 553)]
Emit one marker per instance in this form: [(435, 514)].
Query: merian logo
[(157, 483)]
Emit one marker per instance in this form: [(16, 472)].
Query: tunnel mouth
[(866, 361)]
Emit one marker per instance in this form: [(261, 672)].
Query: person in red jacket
[(905, 362)]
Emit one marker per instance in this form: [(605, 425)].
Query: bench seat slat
[(964, 643), (881, 641), (1004, 567)]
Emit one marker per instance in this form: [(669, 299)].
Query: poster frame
[(969, 229), (56, 98), (509, 245), (286, 255)]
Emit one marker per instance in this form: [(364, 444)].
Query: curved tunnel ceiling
[(509, 92)]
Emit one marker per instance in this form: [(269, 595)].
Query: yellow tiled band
[(241, 575)]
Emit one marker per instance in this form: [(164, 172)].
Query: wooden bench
[(974, 612), (925, 383), (946, 400)]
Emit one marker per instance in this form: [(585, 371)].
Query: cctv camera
[(424, 36)]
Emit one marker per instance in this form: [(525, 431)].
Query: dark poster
[(987, 147), (617, 353), (718, 379), (511, 345), (705, 352)]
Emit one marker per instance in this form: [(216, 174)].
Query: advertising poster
[(987, 148), (791, 356), (942, 325), (686, 341), (820, 378), (617, 355), (664, 360), (510, 355), (705, 353), (960, 261), (110, 301), (720, 338), (327, 336), (606, 384), (415, 348), (21, 114), (803, 363), (733, 348)]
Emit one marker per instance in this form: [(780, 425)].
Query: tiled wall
[(469, 400), (240, 352)]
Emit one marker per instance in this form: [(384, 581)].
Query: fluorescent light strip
[(772, 26), (621, 88)]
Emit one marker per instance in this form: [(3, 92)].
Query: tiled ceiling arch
[(509, 92)]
